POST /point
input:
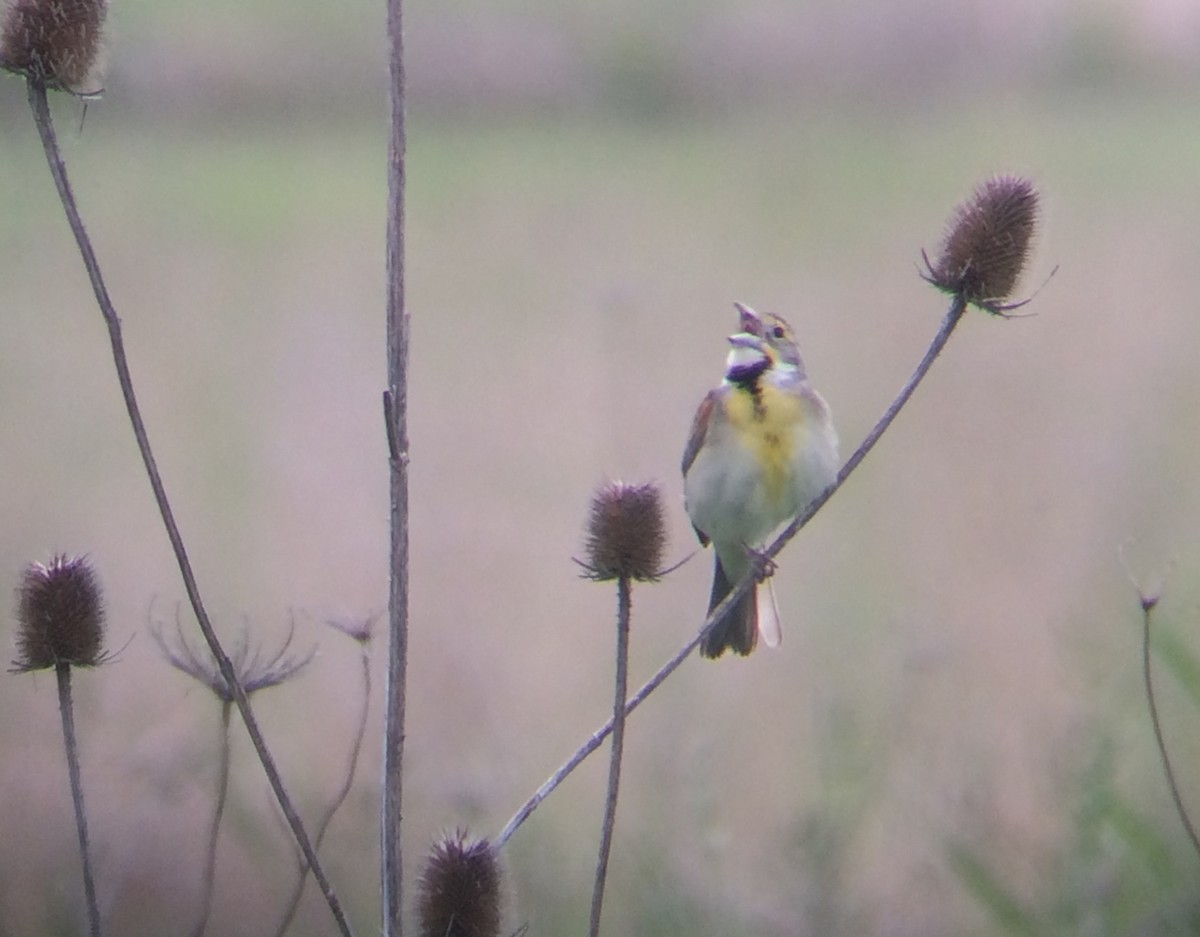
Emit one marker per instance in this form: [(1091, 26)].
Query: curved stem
[(62, 671), (41, 113), (624, 604), (953, 316), (293, 904), (208, 883), (1176, 796)]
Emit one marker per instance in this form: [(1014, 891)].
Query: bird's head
[(775, 333)]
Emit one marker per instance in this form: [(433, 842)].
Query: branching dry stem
[(40, 107)]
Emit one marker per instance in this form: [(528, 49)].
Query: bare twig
[(953, 316), (396, 416), (41, 113)]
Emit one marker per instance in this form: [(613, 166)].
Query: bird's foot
[(764, 567)]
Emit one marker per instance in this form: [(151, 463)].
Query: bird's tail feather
[(737, 629)]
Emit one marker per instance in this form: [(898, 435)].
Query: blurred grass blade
[(1180, 660), (1142, 839), (989, 892)]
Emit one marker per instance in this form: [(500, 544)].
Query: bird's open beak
[(749, 320), (745, 350), (745, 340)]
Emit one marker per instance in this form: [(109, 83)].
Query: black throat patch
[(748, 377)]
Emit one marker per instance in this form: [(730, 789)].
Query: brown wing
[(699, 430), (696, 440)]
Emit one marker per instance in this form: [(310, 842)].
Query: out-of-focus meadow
[(952, 739)]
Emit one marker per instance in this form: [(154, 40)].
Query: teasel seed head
[(57, 42), (987, 242), (459, 891), (60, 615), (626, 534)]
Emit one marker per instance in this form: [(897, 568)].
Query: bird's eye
[(778, 331)]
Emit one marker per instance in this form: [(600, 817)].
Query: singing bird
[(762, 447)]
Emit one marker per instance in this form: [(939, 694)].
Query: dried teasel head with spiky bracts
[(55, 42), (459, 890), (626, 533), (60, 615), (986, 244), (255, 668)]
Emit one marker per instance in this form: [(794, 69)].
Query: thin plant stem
[(395, 401), (953, 316), (958, 306), (293, 904), (62, 672), (624, 602), (208, 883), (41, 112), (1160, 741)]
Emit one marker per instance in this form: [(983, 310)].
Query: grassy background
[(951, 739)]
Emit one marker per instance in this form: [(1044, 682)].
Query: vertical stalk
[(62, 671), (624, 603), (396, 415), (208, 884)]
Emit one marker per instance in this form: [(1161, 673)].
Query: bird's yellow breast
[(770, 425)]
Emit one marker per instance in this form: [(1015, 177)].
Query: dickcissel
[(762, 448)]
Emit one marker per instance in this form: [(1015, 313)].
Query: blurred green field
[(952, 738)]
